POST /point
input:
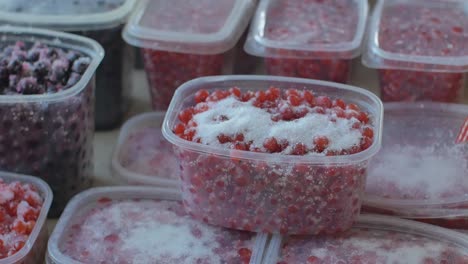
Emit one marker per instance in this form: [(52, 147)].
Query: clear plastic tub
[(374, 239), (245, 199), (419, 48), (421, 173), (309, 39), (182, 40), (143, 156), (100, 20), (50, 135), (34, 249), (172, 232)]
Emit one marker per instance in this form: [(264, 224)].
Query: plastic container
[(51, 135), (374, 239), (309, 39), (143, 156), (100, 20), (34, 249), (247, 204), (419, 49), (420, 173), (182, 40), (183, 232)]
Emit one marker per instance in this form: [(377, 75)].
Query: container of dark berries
[(273, 154), (102, 21), (144, 225), (143, 156), (421, 172), (185, 39), (309, 39), (47, 108), (419, 49), (373, 239), (24, 203)]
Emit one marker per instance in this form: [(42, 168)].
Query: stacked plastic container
[(143, 156), (33, 251), (182, 40), (144, 225), (308, 39), (374, 239), (50, 135), (420, 49), (100, 20)]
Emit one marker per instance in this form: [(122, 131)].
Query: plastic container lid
[(46, 194), (407, 242), (86, 201), (188, 26), (143, 156), (308, 29), (77, 15), (420, 171), (423, 35), (89, 47)]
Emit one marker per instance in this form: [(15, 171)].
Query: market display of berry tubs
[(24, 203), (373, 239), (185, 39), (421, 173), (47, 108), (144, 225), (273, 154), (100, 20), (420, 49), (309, 39), (143, 156)]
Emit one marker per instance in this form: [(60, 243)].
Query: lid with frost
[(374, 239), (419, 35), (143, 225), (188, 26), (420, 172), (143, 156), (308, 29), (66, 15)]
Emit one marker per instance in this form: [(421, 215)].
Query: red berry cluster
[(311, 22), (168, 70), (273, 196), (20, 206), (415, 31)]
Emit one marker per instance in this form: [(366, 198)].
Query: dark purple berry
[(27, 85), (14, 66), (33, 55)]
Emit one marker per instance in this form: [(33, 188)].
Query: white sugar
[(421, 172), (256, 126), (6, 195)]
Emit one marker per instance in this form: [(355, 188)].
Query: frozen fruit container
[(33, 250), (309, 39), (421, 173), (270, 192), (419, 48), (100, 20), (373, 239), (144, 225), (185, 39), (50, 135), (143, 156)]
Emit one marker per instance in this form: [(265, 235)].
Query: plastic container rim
[(386, 223), (88, 46), (54, 255), (44, 188), (195, 84), (373, 49), (122, 172), (256, 37), (72, 22), (140, 36)]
